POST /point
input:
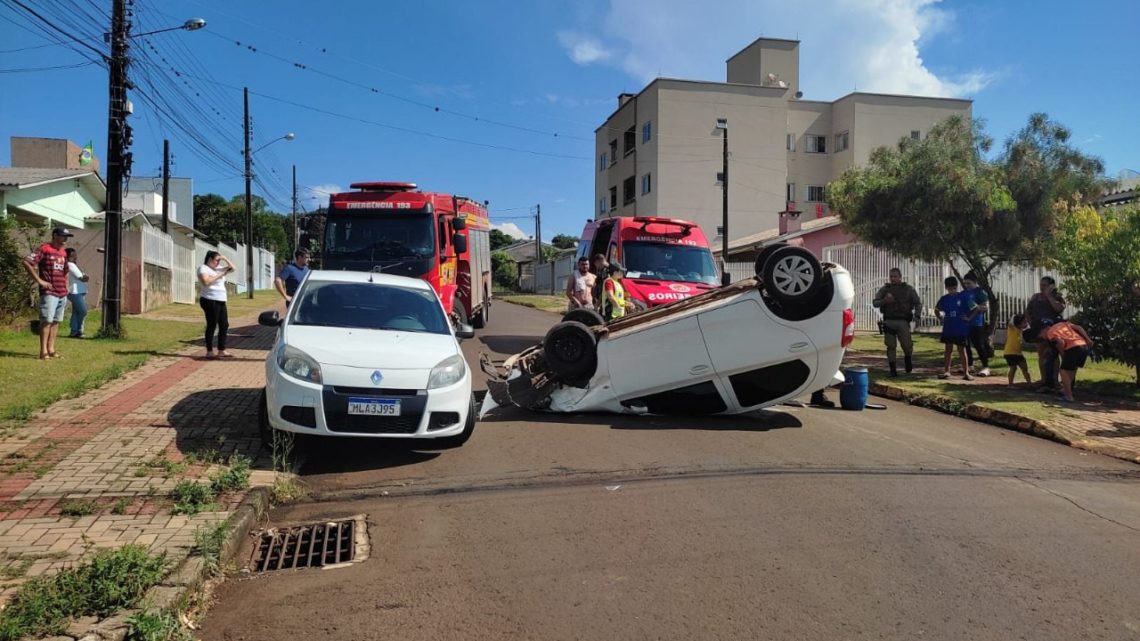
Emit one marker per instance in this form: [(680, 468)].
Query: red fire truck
[(394, 228)]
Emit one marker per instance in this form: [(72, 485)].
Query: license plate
[(374, 406)]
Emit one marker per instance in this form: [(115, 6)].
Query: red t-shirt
[(51, 264)]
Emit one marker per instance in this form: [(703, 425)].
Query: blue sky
[(508, 76)]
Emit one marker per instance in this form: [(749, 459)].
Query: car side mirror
[(459, 241), (465, 331), (269, 319)]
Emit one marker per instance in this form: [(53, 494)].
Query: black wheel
[(264, 430), (458, 312), (765, 254), (587, 317), (484, 316), (571, 351), (792, 274), (452, 442)]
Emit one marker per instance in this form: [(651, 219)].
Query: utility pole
[(538, 235), (165, 186), (117, 140), (296, 238), (725, 277), (248, 205)]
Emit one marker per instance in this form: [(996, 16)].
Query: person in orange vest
[(1072, 342)]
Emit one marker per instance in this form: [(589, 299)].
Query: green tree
[(564, 241), (940, 199), (224, 221), (18, 290), (1100, 257), (500, 240), (506, 272)]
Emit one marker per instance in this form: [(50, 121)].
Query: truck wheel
[(571, 351), (484, 316), (792, 274), (765, 254), (458, 312), (587, 317)]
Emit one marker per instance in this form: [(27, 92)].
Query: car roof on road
[(338, 276)]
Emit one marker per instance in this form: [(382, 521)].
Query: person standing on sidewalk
[(900, 306), (1012, 350), (977, 302), (77, 294), (955, 331), (212, 277), (1044, 308), (580, 287), (615, 304), (599, 267), (291, 275), (48, 267)]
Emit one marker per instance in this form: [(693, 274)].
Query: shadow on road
[(510, 344), (336, 455), (760, 421)]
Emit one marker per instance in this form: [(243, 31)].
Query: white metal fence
[(157, 247), (1013, 284), (183, 273)]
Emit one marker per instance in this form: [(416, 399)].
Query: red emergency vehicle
[(666, 259), (392, 227)]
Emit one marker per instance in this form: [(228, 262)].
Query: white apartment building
[(660, 152)]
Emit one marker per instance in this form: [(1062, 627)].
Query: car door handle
[(795, 347), (698, 369)]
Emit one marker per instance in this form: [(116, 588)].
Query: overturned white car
[(753, 344)]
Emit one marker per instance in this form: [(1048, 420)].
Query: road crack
[(1079, 506)]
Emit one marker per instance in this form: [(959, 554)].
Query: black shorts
[(1014, 360), (954, 340), (1074, 358)]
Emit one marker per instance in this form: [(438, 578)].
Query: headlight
[(298, 364), (449, 372)]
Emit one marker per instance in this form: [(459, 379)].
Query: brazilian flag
[(86, 155)]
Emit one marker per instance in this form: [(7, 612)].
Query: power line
[(53, 68)]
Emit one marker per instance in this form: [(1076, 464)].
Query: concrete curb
[(1000, 418), (179, 587)]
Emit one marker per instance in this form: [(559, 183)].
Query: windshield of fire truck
[(380, 236), (669, 262)]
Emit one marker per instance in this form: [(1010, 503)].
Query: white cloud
[(319, 194), (583, 49), (872, 45), (512, 230)]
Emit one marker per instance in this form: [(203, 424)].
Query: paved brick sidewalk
[(1106, 425), (124, 447)]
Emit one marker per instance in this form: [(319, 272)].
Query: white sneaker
[(985, 372)]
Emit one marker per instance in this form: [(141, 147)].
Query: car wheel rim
[(568, 349), (793, 275)]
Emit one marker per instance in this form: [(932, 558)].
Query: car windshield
[(380, 236), (669, 262), (370, 306)]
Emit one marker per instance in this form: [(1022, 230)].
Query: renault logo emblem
[(376, 377)]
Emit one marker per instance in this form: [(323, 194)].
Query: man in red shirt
[(48, 267)]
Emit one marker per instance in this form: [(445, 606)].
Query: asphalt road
[(792, 524)]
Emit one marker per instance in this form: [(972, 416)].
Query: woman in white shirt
[(212, 277), (76, 293)]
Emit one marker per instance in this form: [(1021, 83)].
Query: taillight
[(848, 327)]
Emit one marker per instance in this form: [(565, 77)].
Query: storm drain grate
[(313, 545)]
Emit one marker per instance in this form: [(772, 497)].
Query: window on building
[(630, 141), (814, 194), (646, 184), (613, 152), (790, 193), (647, 131), (604, 162), (814, 144), (602, 206), (613, 198), (842, 141), (790, 142), (915, 134), (629, 190)]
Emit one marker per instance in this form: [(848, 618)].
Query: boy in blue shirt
[(291, 275), (952, 309), (977, 304)]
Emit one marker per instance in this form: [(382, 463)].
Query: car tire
[(792, 274), (264, 429), (765, 254), (452, 442), (587, 317), (571, 351)]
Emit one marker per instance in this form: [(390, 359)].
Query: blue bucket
[(853, 393)]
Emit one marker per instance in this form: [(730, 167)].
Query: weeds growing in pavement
[(208, 544), (161, 625), (168, 467), (191, 497), (286, 489), (110, 581), (121, 505), (234, 477), (78, 507)]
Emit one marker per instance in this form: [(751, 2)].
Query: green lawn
[(30, 384), (546, 303), (1106, 378), (237, 306)]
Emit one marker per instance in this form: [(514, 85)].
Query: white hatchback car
[(753, 344), (368, 355)]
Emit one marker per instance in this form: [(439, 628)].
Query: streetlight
[(249, 197), (118, 156), (722, 125)]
